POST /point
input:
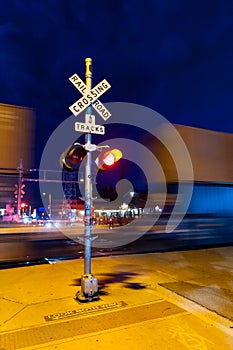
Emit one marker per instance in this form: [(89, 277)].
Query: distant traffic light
[(23, 205), (108, 159), (71, 158)]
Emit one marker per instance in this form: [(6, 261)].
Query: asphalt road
[(33, 245)]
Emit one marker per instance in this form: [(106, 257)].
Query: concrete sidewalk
[(176, 300)]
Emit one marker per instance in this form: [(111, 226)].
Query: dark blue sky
[(174, 56)]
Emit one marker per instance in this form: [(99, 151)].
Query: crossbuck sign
[(90, 97)]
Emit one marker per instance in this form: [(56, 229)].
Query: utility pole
[(50, 206)]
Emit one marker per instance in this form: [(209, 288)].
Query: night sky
[(174, 56)]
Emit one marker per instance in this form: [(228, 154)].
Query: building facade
[(16, 144)]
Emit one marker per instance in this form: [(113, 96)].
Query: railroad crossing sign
[(89, 126), (22, 192), (90, 97)]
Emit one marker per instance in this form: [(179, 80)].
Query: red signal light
[(23, 205), (108, 159)]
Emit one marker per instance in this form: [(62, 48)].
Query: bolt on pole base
[(89, 289)]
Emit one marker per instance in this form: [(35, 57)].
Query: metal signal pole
[(20, 176), (89, 284)]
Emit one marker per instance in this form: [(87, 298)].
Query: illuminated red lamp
[(108, 159)]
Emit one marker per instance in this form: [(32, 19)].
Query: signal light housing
[(72, 157), (108, 159)]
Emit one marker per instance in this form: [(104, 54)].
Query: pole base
[(85, 299), (89, 289)]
